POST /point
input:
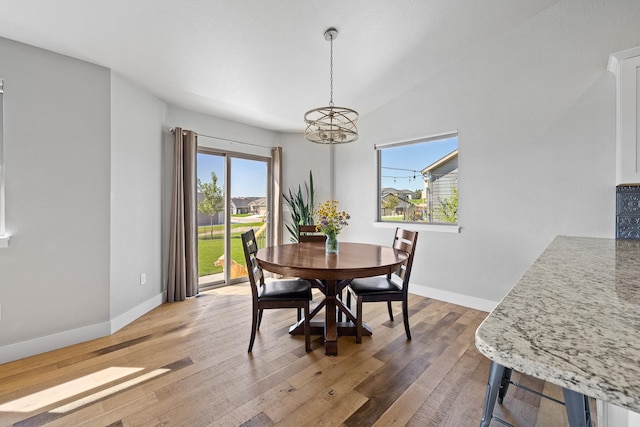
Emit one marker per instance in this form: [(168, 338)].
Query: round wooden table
[(332, 272)]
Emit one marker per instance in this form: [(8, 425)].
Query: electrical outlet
[(143, 279)]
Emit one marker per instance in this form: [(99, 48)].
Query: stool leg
[(578, 410), (504, 384), (493, 386)]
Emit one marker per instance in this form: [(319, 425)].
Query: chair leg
[(504, 384), (299, 314), (405, 317), (358, 320), (307, 329), (254, 328), (339, 296), (259, 318), (348, 299), (390, 311)]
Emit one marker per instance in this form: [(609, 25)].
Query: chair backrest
[(405, 241), (256, 275), (308, 233)]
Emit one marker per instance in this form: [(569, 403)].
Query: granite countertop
[(574, 320)]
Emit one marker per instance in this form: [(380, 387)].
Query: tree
[(417, 194), (449, 208), (391, 202), (213, 201)]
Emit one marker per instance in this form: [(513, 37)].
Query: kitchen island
[(573, 319)]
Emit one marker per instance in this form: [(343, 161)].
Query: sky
[(248, 177), (414, 157)]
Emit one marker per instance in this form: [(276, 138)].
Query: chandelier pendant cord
[(331, 73)]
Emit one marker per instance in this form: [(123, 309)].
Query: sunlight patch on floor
[(107, 392), (66, 390)]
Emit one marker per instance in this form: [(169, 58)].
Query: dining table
[(331, 273)]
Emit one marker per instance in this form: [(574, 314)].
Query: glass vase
[(331, 244)]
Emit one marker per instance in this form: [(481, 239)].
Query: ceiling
[(266, 62)]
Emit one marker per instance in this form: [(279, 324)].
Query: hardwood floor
[(186, 364)]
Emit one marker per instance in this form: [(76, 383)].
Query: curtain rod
[(233, 141)]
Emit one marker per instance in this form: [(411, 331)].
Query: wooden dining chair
[(392, 287), (308, 233), (287, 293)]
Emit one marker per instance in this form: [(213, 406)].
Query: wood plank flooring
[(186, 364)]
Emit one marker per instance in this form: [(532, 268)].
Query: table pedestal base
[(345, 329), (331, 328), (318, 328), (577, 404)]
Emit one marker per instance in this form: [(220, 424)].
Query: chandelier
[(331, 124)]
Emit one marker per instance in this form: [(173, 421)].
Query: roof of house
[(242, 202), (441, 161), (391, 190), (262, 201)]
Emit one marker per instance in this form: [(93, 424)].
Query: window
[(418, 180), (4, 239)]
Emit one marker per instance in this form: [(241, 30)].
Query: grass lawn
[(209, 250)]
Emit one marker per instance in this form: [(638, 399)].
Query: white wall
[(54, 276), (535, 111), (300, 156), (137, 123)]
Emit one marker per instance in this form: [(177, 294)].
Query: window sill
[(4, 241), (440, 228)]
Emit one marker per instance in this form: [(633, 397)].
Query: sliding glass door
[(233, 197)]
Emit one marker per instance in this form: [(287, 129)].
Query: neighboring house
[(240, 205), (258, 206), (440, 180), (403, 197)]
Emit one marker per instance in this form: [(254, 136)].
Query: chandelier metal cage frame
[(331, 124)]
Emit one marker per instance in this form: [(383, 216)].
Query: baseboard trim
[(454, 298), (51, 342), (124, 319), (11, 352)]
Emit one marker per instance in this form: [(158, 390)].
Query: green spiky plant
[(302, 206)]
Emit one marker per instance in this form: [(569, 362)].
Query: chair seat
[(383, 288), (374, 285), (293, 289)]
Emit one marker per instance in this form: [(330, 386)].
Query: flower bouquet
[(330, 221)]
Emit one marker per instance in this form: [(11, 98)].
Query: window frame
[(4, 238), (228, 156), (421, 226)]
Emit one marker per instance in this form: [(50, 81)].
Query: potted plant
[(301, 205)]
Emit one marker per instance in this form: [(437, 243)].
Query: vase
[(331, 244)]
